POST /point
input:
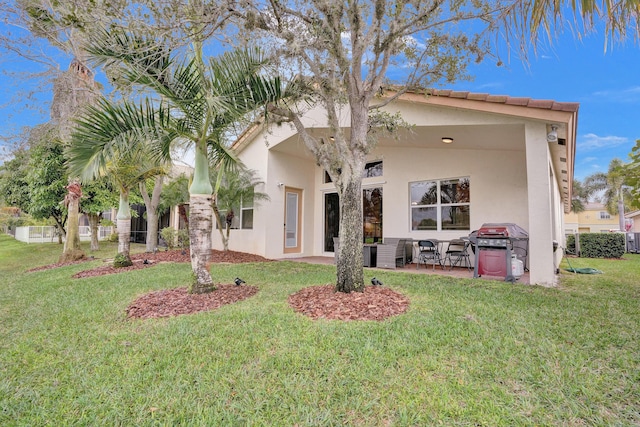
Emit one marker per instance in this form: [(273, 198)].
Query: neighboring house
[(594, 219), (633, 220), (511, 160)]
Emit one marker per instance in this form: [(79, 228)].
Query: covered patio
[(457, 272)]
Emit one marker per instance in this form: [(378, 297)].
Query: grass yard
[(467, 352)]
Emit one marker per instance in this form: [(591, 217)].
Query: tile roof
[(507, 100)]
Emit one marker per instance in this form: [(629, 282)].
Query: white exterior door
[(292, 220)]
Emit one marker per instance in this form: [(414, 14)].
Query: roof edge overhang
[(547, 111)]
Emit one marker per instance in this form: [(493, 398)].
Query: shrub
[(602, 245), (183, 238), (168, 234), (122, 260), (571, 244), (173, 237)]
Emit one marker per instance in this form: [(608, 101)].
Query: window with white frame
[(240, 217), (605, 215), (442, 204), (246, 213), (371, 169)]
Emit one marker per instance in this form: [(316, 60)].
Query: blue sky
[(606, 84)]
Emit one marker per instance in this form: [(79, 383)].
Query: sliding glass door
[(371, 217)]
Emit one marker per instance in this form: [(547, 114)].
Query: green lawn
[(467, 353)]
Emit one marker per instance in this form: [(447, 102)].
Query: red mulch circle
[(323, 302), (316, 302), (58, 264), (174, 302), (110, 269), (170, 256)]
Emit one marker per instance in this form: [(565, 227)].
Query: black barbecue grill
[(495, 243)]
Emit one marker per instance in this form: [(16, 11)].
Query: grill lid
[(506, 229)]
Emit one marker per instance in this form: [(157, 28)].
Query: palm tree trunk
[(124, 231), (182, 212), (151, 204), (200, 220), (216, 215), (225, 241), (621, 221), (200, 224), (72, 249), (94, 222)]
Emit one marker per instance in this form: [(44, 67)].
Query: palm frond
[(143, 59), (107, 130)]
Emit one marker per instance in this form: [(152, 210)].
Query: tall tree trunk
[(350, 265), (94, 223), (61, 231), (221, 228), (151, 204), (182, 213), (124, 231), (225, 241), (350, 268), (72, 249), (621, 221), (200, 228), (200, 223)]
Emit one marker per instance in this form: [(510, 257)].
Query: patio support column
[(539, 191)]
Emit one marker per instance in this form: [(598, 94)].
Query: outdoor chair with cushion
[(391, 253), (428, 251)]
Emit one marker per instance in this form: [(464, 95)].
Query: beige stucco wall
[(509, 171)]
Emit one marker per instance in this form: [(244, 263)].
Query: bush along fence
[(597, 245)]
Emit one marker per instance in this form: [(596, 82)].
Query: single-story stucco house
[(512, 158)]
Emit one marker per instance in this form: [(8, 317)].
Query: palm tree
[(581, 195), (124, 158), (611, 184), (621, 17), (236, 188), (200, 101), (176, 193)]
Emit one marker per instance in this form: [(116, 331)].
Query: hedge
[(598, 245)]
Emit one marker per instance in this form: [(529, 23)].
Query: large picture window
[(440, 204)]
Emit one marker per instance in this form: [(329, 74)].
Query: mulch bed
[(323, 302), (174, 302), (316, 302), (110, 269), (59, 264)]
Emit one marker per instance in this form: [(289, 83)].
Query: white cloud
[(591, 141), (627, 95), (590, 159)]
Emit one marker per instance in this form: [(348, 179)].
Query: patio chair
[(391, 253), (458, 252), (428, 251)]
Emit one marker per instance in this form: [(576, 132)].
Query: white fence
[(49, 234)]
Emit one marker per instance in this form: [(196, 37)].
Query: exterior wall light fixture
[(553, 135), (447, 139)]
